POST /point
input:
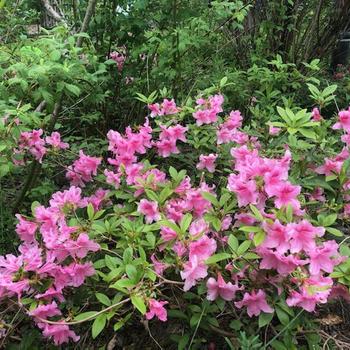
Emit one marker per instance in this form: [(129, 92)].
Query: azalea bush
[(195, 217)]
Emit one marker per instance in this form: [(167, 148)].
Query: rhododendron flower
[(199, 227), (96, 199), (273, 130), (83, 169), (207, 162), (203, 248), (226, 223), (156, 308), (149, 209), (167, 233), (67, 200), (255, 303), (179, 249), (324, 258), (166, 147), (81, 246), (26, 229), (45, 311), (78, 273), (194, 270), (329, 167), (343, 121), (316, 115), (112, 178), (219, 287), (274, 260), (317, 195), (277, 237), (285, 194), (246, 191), (119, 58), (315, 290), (54, 140), (303, 236), (32, 141), (168, 107), (60, 333), (159, 267)]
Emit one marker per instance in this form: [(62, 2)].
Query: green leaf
[(243, 247), (265, 319), (223, 81), (98, 325), (102, 298), (307, 133), (233, 242), (85, 315), (186, 222), (217, 257), (256, 212), (152, 195), (75, 90), (131, 271), (282, 315), (259, 237), (334, 231), (329, 219), (211, 198), (55, 55), (122, 284), (250, 229), (139, 303), (90, 211)]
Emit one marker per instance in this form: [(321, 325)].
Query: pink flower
[(219, 287), (273, 130), (45, 311), (179, 249), (26, 229), (167, 233), (277, 237), (246, 191), (343, 121), (285, 194), (316, 115), (112, 178), (255, 303), (193, 271), (81, 246), (166, 147), (83, 169), (199, 227), (274, 260), (207, 162), (202, 248), (329, 167), (156, 308), (55, 141), (324, 258), (60, 333), (78, 273), (67, 200), (32, 142), (159, 267), (149, 209), (303, 236)]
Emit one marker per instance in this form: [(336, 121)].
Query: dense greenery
[(71, 71)]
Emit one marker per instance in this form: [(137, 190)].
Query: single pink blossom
[(255, 303), (149, 209), (156, 308), (194, 270), (207, 162), (219, 287)]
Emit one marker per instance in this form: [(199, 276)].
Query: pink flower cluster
[(32, 142), (208, 110), (167, 107), (119, 57), (168, 138), (258, 179), (51, 255), (83, 169)]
